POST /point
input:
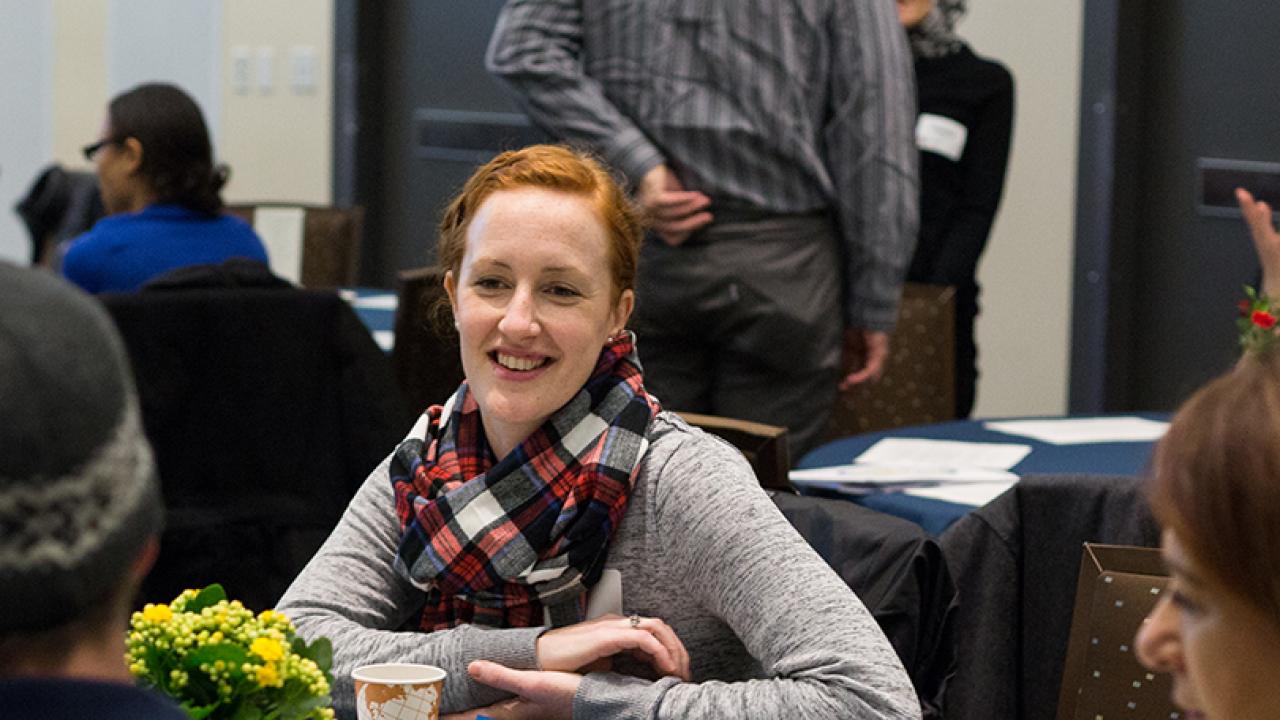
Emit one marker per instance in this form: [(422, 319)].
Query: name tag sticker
[(941, 135)]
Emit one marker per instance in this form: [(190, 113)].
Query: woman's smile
[(535, 305)]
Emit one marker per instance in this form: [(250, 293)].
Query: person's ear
[(451, 289), (622, 312), (145, 560), (131, 152)]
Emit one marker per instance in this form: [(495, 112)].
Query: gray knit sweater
[(771, 631)]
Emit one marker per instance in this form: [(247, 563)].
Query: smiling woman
[(1216, 490), (550, 536)]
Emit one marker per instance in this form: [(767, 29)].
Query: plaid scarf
[(496, 543)]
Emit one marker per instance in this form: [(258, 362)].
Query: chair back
[(764, 446), (312, 245), (425, 357), (267, 408), (918, 384), (1102, 677)]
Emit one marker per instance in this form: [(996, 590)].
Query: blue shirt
[(122, 252)]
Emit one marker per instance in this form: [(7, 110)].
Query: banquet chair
[(425, 356), (899, 572), (764, 446), (1015, 563), (267, 407), (918, 384), (312, 245)]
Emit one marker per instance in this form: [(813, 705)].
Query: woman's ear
[(451, 289), (622, 312), (131, 153)]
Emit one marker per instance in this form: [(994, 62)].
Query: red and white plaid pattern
[(496, 543)]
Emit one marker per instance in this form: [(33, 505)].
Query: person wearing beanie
[(161, 190), (80, 508)]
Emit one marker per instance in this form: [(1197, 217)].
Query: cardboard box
[(1102, 678)]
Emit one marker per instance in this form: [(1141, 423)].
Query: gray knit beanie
[(78, 494)]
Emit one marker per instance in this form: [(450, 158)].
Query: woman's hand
[(576, 647), (1265, 238), (539, 695)]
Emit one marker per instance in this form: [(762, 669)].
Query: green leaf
[(321, 651), (199, 712), (247, 711), (207, 597), (233, 655)]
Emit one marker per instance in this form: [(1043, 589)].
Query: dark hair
[(1216, 479), (177, 158)]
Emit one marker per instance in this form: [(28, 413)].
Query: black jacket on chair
[(267, 407), (1016, 562), (898, 572)]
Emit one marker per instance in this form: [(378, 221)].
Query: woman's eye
[(489, 283), (1184, 603), (563, 291)]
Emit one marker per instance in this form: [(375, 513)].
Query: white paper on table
[(281, 231), (1077, 431), (916, 452), (975, 494), (890, 475), (380, 301)]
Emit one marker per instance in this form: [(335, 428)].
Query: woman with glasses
[(160, 188)]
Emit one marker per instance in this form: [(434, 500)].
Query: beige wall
[(1025, 325), (279, 143), (79, 76)]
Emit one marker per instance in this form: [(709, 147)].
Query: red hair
[(549, 167)]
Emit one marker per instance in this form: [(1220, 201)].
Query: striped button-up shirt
[(781, 106)]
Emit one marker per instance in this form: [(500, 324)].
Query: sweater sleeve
[(872, 158), (821, 652), (536, 49), (349, 593)]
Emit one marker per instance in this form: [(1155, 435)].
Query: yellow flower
[(266, 615), (268, 649), (157, 613), (268, 676)]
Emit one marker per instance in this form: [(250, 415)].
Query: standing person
[(770, 144), (79, 507), (160, 188), (552, 533), (963, 132)]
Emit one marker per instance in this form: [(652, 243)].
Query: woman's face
[(1222, 650), (911, 12), (116, 165), (534, 302)]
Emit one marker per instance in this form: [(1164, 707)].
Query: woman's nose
[(520, 317), (1158, 644)]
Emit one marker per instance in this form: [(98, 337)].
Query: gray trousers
[(744, 320)]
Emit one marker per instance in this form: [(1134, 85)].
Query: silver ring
[(635, 620)]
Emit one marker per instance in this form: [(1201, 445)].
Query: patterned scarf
[(496, 543), (935, 35)]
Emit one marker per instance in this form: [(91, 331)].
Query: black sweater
[(959, 198)]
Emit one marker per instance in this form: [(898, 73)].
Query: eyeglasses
[(92, 149)]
